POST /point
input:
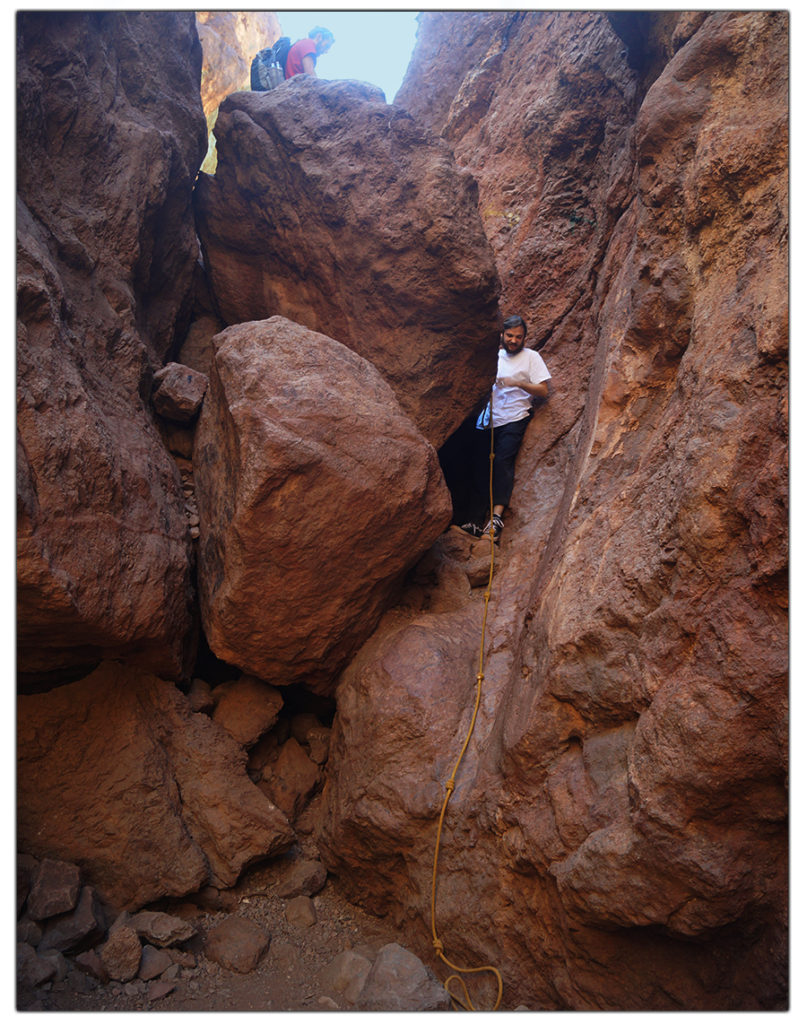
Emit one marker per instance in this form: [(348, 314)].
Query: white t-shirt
[(513, 403)]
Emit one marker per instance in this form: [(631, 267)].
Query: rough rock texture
[(399, 982), (116, 774), (230, 39), (316, 494), (343, 214), (617, 838), (246, 708), (110, 134), (237, 944), (179, 391)]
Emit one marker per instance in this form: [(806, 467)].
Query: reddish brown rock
[(246, 708), (316, 493), (290, 778), (76, 929), (116, 773), (179, 392), (121, 954), (54, 890), (622, 807), (365, 231), (111, 134), (237, 943)]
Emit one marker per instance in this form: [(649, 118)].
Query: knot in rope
[(450, 786), (438, 946)]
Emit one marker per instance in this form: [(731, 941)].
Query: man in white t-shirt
[(521, 376)]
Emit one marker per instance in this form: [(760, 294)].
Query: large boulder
[(316, 494), (343, 214), (618, 832), (118, 775), (110, 136)]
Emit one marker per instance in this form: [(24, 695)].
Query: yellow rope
[(466, 1003)]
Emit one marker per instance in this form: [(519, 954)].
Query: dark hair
[(326, 34), (514, 321)]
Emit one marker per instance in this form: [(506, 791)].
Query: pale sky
[(371, 46)]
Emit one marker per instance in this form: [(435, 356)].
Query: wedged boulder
[(111, 134), (343, 214), (316, 493), (118, 775), (179, 392)]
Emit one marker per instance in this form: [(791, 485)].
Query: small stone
[(121, 953), (300, 912), (160, 989), (179, 392), (54, 889), (60, 964), (347, 974), (200, 695), (182, 957), (81, 983), (81, 927), (306, 878), (318, 741), (26, 869), (399, 981), (90, 963), (162, 929), (237, 943), (154, 962), (28, 931), (247, 708), (32, 970), (326, 1003)]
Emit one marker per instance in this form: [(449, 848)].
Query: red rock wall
[(110, 137), (618, 838)]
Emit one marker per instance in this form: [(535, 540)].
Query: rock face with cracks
[(618, 834), (344, 214), (103, 159), (304, 459)]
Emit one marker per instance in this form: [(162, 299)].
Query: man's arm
[(536, 390), (308, 65)]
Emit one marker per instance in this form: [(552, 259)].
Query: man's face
[(322, 44), (513, 339)]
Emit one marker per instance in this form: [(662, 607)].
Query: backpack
[(268, 67)]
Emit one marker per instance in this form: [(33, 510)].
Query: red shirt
[(294, 61)]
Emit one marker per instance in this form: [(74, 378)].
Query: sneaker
[(472, 529), (493, 526)]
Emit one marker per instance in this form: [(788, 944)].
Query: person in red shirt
[(302, 58)]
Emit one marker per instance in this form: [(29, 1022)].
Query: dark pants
[(506, 444)]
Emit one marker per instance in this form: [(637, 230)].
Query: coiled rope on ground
[(465, 1001)]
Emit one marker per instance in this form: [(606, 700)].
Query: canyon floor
[(286, 979)]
